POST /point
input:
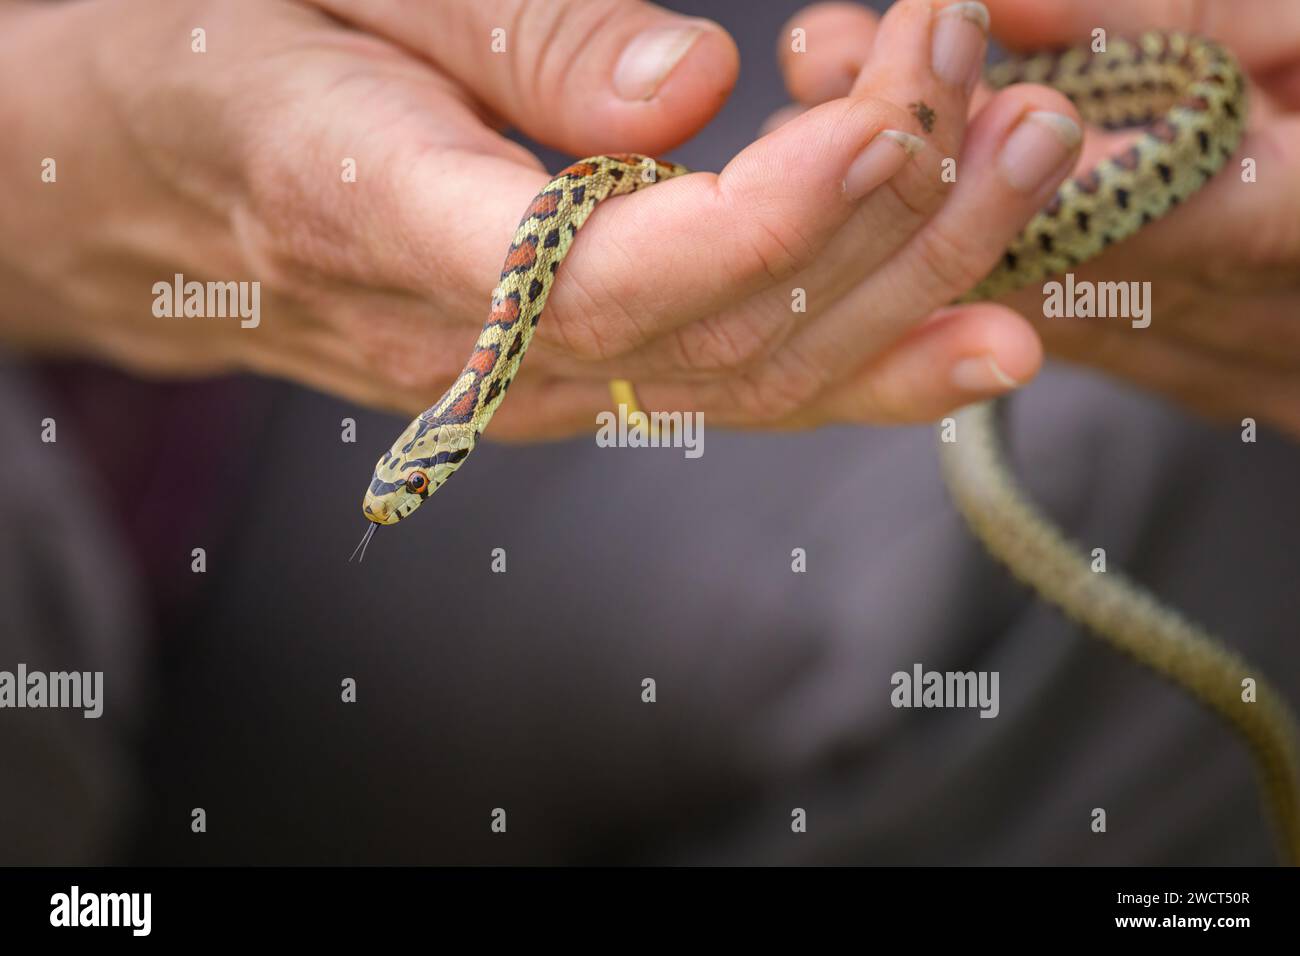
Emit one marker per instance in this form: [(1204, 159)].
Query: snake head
[(418, 464)]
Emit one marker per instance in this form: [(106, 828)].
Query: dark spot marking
[(1046, 242), (521, 256), (1129, 159), (579, 194), (543, 207), (1089, 183), (442, 458), (420, 429), (1011, 260), (1203, 140), (924, 115), (378, 487), (1083, 220), (552, 239), (463, 409), (504, 310), (1164, 131), (482, 361), (1166, 173), (577, 171), (1121, 197), (534, 290)]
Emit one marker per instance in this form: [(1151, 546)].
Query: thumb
[(582, 76)]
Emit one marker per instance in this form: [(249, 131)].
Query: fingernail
[(1037, 147), (650, 57), (884, 156), (957, 45), (981, 375)]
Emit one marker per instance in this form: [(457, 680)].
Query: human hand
[(226, 165), (1225, 266)]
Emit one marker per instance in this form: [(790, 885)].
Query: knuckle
[(779, 389), (716, 344), (777, 252), (591, 324), (281, 229), (919, 195), (954, 261), (565, 30)]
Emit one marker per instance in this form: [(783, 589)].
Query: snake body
[(440, 438), (1190, 96)]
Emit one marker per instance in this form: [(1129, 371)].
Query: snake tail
[(1190, 96)]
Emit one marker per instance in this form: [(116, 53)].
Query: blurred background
[(522, 690)]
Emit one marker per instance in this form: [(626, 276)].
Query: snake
[(1184, 96)]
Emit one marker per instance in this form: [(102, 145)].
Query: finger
[(779, 118), (822, 48), (1017, 151), (583, 76), (962, 354), (691, 248), (1201, 380), (1239, 233), (771, 225), (1242, 329), (1269, 35), (1283, 84)]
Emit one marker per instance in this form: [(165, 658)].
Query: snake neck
[(438, 441)]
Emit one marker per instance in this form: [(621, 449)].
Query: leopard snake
[(1190, 97)]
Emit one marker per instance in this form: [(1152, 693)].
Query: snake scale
[(1189, 97)]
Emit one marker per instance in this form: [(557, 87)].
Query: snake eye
[(417, 482)]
